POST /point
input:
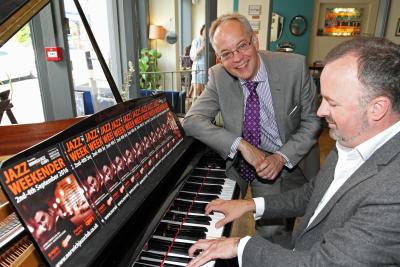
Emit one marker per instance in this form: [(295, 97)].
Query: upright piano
[(162, 215)]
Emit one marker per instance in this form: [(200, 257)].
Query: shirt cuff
[(287, 161), (260, 207), (234, 147), (242, 243)]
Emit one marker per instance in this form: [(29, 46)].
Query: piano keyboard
[(10, 228), (185, 221), (21, 249)]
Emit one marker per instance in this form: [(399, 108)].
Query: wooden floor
[(245, 225)]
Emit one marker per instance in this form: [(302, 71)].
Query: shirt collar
[(366, 149)]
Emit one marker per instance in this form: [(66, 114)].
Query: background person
[(198, 57)]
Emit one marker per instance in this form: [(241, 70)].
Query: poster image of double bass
[(51, 203), (92, 180)]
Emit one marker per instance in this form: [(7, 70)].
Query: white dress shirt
[(349, 160)]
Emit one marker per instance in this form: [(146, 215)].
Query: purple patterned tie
[(251, 128)]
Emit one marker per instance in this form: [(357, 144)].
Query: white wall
[(224, 7), (394, 16), (164, 13), (263, 18)]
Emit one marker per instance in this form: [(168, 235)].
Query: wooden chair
[(5, 106)]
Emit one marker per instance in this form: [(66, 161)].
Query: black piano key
[(186, 205), (211, 163), (208, 173), (195, 187), (195, 211), (164, 233), (207, 180), (201, 221), (155, 263), (215, 177), (175, 250), (178, 259), (179, 217), (193, 236), (171, 216), (212, 189), (184, 233), (218, 175), (146, 264), (155, 256), (182, 228), (163, 246), (199, 197)]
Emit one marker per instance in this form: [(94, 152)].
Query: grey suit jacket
[(359, 226), (294, 102)]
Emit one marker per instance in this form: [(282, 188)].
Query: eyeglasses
[(242, 47)]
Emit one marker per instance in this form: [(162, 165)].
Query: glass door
[(18, 80), (92, 92)]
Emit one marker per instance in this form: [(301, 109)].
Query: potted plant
[(149, 72)]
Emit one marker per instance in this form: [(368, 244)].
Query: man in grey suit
[(289, 127), (352, 208)]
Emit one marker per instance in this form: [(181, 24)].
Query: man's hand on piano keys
[(232, 209), (221, 248)]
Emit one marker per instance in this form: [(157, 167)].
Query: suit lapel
[(236, 104), (278, 99), (366, 171)]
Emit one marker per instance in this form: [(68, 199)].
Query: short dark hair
[(378, 65)]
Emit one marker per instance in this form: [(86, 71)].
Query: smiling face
[(341, 93), (228, 36)]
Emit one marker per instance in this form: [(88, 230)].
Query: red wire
[(184, 220)]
